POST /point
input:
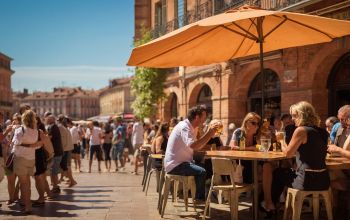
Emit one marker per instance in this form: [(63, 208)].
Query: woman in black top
[(309, 145), (160, 142)]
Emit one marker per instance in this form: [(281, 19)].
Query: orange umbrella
[(236, 33)]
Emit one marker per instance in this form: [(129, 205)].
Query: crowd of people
[(27, 141)]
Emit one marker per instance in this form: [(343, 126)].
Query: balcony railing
[(207, 9), (5, 104)]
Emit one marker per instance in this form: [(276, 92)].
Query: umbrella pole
[(262, 80), (261, 41)]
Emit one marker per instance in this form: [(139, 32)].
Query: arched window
[(339, 85), (173, 106), (272, 98), (205, 97)]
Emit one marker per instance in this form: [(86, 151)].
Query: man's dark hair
[(284, 116), (95, 123), (196, 110)]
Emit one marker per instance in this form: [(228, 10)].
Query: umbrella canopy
[(236, 33)]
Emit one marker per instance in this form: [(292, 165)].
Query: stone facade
[(117, 97), (73, 102), (317, 73), (5, 86)]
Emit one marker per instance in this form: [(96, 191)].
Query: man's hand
[(333, 148)]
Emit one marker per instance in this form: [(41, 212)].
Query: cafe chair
[(157, 170), (146, 149), (226, 167), (188, 183), (295, 198)]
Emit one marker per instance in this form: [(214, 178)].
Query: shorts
[(107, 150), (66, 160), (137, 151), (97, 149), (76, 149), (117, 152), (55, 168), (22, 166), (2, 169), (40, 162)]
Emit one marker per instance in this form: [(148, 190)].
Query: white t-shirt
[(137, 134), (30, 136), (95, 136), (66, 138), (178, 148), (74, 131)]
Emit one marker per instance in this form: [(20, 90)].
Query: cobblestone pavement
[(115, 195)]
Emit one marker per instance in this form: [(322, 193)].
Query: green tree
[(147, 85)]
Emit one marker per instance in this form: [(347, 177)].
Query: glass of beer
[(265, 144), (219, 127), (281, 138)]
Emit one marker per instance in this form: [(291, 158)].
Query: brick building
[(5, 85), (74, 102), (117, 97), (318, 73)]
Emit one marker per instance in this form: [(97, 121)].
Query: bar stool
[(152, 168), (187, 181), (296, 197), (146, 150)]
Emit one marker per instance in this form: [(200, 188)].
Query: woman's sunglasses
[(254, 123)]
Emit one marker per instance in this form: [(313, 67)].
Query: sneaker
[(56, 190), (38, 203), (122, 169)]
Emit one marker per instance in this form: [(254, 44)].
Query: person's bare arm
[(158, 144), (234, 145), (202, 141), (335, 149), (299, 137)]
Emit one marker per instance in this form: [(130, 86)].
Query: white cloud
[(45, 78)]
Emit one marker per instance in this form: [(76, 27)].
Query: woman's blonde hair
[(29, 119), (306, 114), (249, 117)]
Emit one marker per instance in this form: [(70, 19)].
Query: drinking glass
[(281, 138), (265, 144), (219, 129)]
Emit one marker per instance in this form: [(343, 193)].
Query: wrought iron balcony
[(210, 8), (5, 104)]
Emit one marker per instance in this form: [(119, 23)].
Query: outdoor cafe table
[(254, 156), (337, 163)]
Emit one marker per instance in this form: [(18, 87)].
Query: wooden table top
[(338, 163), (333, 163), (247, 155)]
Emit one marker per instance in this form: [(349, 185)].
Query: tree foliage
[(147, 85)]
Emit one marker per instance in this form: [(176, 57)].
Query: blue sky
[(66, 42)]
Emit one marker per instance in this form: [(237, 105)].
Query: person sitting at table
[(250, 131), (159, 144), (181, 144), (160, 140), (309, 144), (341, 178)]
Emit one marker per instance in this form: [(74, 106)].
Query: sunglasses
[(254, 123)]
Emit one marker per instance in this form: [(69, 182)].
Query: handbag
[(9, 162), (48, 147), (238, 175)]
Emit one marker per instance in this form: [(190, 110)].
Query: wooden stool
[(296, 197), (187, 181)]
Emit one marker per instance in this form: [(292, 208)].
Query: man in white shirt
[(94, 133), (181, 144), (137, 141)]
